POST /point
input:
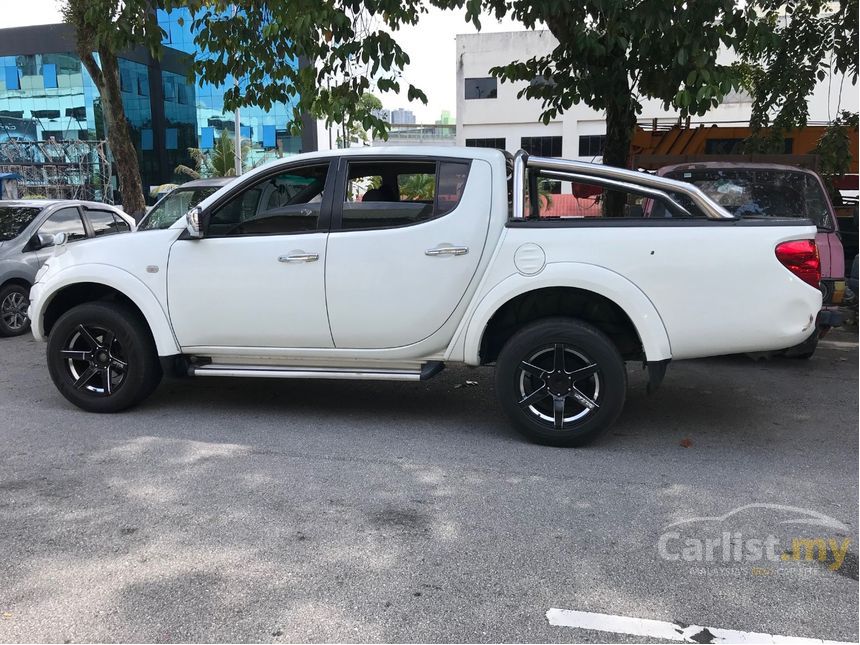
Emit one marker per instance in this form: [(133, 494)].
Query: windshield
[(746, 192), (14, 219), (173, 206)]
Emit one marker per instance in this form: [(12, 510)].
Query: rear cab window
[(391, 193)]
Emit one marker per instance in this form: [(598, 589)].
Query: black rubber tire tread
[(576, 334), (144, 370), (5, 291)]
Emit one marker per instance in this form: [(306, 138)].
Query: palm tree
[(218, 162), (417, 187)]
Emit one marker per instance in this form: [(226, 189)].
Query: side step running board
[(428, 370)]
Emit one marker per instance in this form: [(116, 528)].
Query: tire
[(805, 350), (14, 300), (529, 385), (98, 344)]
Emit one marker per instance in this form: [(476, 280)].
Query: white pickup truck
[(388, 263)]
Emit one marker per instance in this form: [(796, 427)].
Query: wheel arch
[(81, 284), (595, 294), (16, 279)]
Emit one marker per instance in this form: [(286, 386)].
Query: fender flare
[(124, 282), (588, 277)]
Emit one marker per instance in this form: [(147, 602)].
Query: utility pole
[(237, 124)]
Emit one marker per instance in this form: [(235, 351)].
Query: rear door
[(407, 236)]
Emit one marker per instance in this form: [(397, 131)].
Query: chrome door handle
[(447, 250), (299, 257)]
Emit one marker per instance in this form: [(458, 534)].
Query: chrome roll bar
[(621, 179)]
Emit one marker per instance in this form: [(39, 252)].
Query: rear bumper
[(829, 317)]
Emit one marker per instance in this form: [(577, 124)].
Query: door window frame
[(340, 192), (91, 230), (88, 231), (325, 216)]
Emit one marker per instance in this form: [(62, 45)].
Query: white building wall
[(512, 118)]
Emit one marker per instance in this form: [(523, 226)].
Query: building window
[(171, 139), (49, 73), (542, 146), (207, 138), (498, 143), (13, 81), (182, 93), (142, 85), (269, 133), (169, 89), (126, 84), (592, 145), (146, 139), (481, 88)]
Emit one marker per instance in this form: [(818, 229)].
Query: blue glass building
[(265, 130), (46, 95)]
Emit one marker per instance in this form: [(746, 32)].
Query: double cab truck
[(385, 264)]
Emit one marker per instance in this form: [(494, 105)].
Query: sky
[(430, 45)]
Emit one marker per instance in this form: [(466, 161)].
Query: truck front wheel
[(102, 358), (561, 381)]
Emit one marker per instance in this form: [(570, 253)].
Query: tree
[(220, 162), (106, 28), (355, 132), (613, 53), (791, 46), (834, 151), (348, 46)]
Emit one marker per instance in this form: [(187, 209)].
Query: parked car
[(385, 263), (765, 190), (178, 201), (27, 229)]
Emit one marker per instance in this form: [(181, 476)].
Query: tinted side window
[(452, 183), (286, 202), (388, 194), (106, 223), (65, 220)]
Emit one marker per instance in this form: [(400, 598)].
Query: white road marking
[(838, 344), (669, 631)]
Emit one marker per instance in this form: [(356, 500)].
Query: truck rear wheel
[(101, 357), (561, 381)]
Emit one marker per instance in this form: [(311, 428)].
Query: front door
[(257, 278), (406, 240)]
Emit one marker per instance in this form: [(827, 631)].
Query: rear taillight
[(801, 258)]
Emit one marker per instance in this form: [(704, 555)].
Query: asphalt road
[(242, 510)]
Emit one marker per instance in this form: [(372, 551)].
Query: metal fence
[(53, 169)]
